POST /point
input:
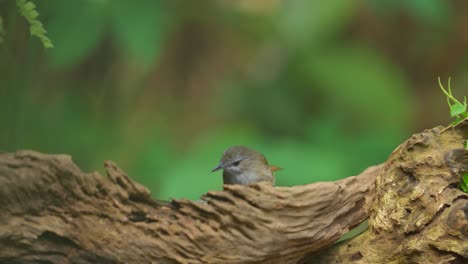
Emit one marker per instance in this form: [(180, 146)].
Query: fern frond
[(28, 10)]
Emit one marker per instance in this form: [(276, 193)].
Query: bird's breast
[(246, 178)]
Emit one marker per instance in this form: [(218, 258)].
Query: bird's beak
[(218, 167)]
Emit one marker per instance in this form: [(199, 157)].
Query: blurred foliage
[(2, 30), (323, 89), (138, 28)]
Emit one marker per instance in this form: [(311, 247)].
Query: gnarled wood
[(54, 213), (51, 212), (420, 215)]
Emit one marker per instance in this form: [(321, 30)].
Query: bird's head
[(239, 159)]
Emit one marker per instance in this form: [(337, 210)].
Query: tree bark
[(52, 212), (419, 215)]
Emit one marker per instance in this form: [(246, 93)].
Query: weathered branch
[(51, 212), (420, 215)]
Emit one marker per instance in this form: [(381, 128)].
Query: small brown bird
[(242, 165)]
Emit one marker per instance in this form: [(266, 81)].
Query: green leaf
[(29, 6), (457, 109), (139, 28), (465, 178), (33, 14), (464, 187), (27, 10)]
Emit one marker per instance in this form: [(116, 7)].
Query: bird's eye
[(236, 163)]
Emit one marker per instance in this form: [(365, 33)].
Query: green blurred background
[(323, 88)]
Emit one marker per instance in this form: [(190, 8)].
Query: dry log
[(420, 215), (52, 212)]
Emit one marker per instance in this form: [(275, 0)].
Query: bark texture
[(52, 212), (420, 215)]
